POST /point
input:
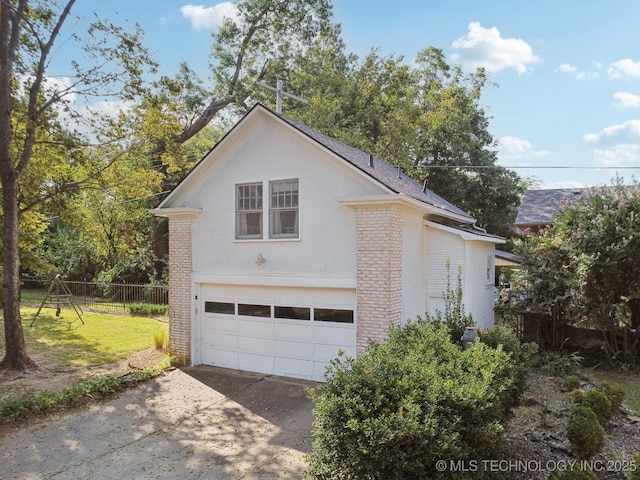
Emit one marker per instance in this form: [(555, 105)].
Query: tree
[(586, 264), (425, 117), (31, 108), (266, 34)]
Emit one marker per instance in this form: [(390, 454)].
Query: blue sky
[(568, 71)]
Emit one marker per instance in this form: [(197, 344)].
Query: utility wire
[(539, 167)]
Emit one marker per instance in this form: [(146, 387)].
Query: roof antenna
[(371, 160), (280, 93)]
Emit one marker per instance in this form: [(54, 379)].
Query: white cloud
[(628, 131), (514, 149), (625, 66), (209, 18), (576, 72), (484, 47), (627, 100), (617, 145)]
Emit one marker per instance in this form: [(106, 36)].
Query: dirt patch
[(536, 436), (46, 378)]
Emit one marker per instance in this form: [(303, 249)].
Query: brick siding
[(379, 288), (180, 290)]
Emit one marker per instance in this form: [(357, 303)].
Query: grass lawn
[(66, 343), (629, 380)]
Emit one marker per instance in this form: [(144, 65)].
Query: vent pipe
[(424, 185), (371, 160)]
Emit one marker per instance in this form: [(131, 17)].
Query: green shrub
[(503, 337), (614, 392), (572, 382), (599, 403), (148, 309), (407, 402), (574, 473), (585, 432), (576, 396)]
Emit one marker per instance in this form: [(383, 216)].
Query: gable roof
[(538, 207), (390, 177)]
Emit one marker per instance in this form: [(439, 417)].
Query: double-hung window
[(249, 210), (283, 209), (283, 213)]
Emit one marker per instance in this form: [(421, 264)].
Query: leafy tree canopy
[(586, 263)]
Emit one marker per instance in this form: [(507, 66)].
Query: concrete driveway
[(193, 423)]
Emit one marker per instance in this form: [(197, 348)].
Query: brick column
[(379, 288), (180, 268)]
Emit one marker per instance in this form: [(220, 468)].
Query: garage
[(293, 332)]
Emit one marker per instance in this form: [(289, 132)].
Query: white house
[(287, 246)]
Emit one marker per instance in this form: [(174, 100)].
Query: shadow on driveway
[(194, 423)]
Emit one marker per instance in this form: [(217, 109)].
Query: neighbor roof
[(538, 207), (389, 176)]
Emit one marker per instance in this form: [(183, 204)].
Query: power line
[(537, 167)]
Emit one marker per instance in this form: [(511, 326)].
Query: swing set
[(61, 296)]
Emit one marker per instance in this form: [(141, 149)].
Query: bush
[(148, 309), (585, 432), (407, 402), (614, 392), (503, 337), (599, 403), (572, 382)]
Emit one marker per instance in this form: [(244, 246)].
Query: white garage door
[(293, 332)]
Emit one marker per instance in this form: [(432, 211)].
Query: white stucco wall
[(414, 280), (326, 252), (472, 255), (438, 245), (478, 291)]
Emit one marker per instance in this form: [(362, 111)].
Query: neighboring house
[(287, 246), (538, 207)]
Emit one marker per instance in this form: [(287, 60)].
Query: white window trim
[(266, 213)]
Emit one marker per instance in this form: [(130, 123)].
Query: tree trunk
[(16, 357)]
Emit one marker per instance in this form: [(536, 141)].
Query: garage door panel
[(226, 323), (255, 363), (255, 345), (220, 358), (256, 328), (214, 339), (295, 367), (293, 331), (328, 352), (293, 349), (334, 335)]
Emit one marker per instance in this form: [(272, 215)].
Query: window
[(283, 209), (293, 313), (220, 307), (332, 315), (252, 310), (249, 210), (490, 274)]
